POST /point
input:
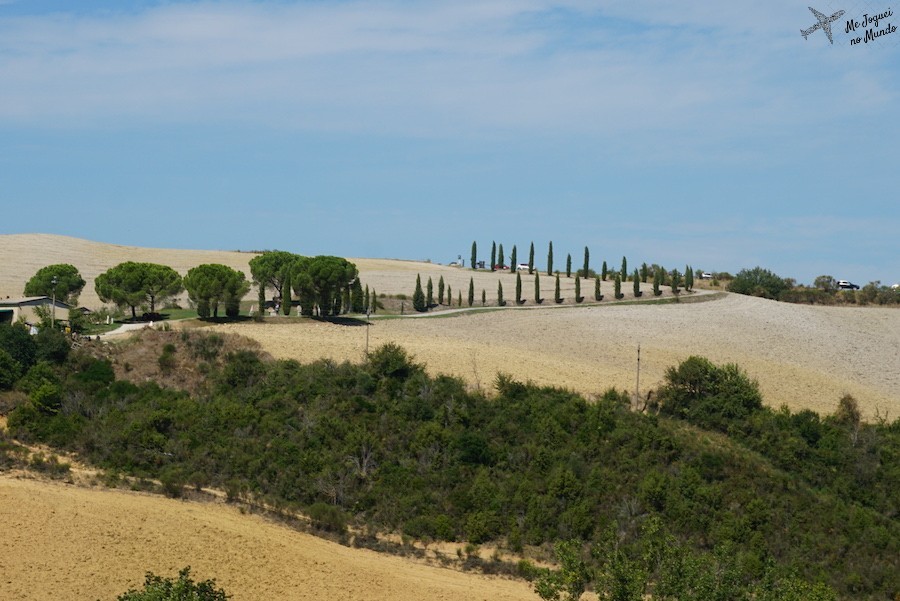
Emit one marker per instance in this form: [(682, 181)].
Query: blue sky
[(666, 132)]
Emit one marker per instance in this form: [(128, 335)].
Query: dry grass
[(66, 542)]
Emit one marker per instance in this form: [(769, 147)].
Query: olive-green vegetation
[(418, 298), (441, 290), (210, 284), (519, 300), (550, 259), (598, 296), (569, 265), (471, 297), (758, 282), (617, 287), (133, 284), (473, 263), (62, 281), (182, 588), (500, 301), (586, 268), (748, 498)]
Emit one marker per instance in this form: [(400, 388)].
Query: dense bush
[(385, 446), (758, 282), (183, 588)]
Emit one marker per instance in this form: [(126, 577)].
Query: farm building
[(13, 309)]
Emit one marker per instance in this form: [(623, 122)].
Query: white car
[(845, 285), (522, 267)]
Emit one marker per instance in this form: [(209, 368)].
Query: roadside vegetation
[(700, 472)]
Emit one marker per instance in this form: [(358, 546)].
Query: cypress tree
[(357, 304), (459, 299), (578, 297), (501, 258), (624, 272), (366, 298), (537, 288), (550, 259), (345, 300), (493, 255), (419, 296), (430, 294), (519, 300), (471, 292), (637, 284), (688, 278), (604, 271), (483, 297), (569, 265), (556, 296), (597, 295), (618, 285), (473, 265), (500, 301), (657, 280), (645, 272), (449, 296), (676, 281), (531, 259), (374, 300), (587, 260), (286, 294), (441, 291), (261, 300), (512, 259)]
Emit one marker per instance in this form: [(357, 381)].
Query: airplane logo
[(824, 23)]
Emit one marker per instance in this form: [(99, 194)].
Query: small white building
[(12, 309)]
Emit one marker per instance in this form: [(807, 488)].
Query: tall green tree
[(550, 259), (537, 288), (675, 280), (419, 296), (598, 296), (531, 259), (270, 269), (459, 299), (358, 302), (449, 296), (473, 264), (133, 284), (578, 297), (556, 294), (513, 257), (501, 258), (569, 265), (645, 272), (287, 300), (624, 272), (500, 301), (429, 296), (68, 283), (366, 302), (321, 281), (493, 254), (518, 288), (604, 271), (586, 269), (260, 302), (688, 278), (637, 284), (210, 284), (618, 287), (373, 302), (471, 296), (657, 281), (441, 290), (483, 297)]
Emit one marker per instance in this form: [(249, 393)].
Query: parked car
[(845, 285), (522, 267), (499, 267)]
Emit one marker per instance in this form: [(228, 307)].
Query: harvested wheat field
[(67, 542), (803, 356)]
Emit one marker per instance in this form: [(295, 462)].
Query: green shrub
[(10, 371), (758, 282), (183, 588), (327, 517)]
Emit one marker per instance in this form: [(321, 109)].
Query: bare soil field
[(21, 255), (805, 357), (67, 542), (802, 356)]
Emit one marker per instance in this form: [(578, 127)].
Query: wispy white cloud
[(695, 75)]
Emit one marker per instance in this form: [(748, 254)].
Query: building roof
[(31, 301)]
